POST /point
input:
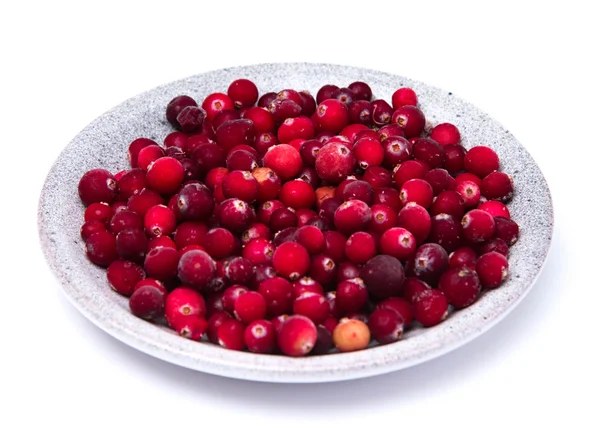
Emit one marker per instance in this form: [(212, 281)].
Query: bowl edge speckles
[(103, 143)]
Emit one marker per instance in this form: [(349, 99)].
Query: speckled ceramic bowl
[(104, 143)]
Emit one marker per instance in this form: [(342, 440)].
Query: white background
[(534, 376)]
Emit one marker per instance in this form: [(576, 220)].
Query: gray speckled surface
[(104, 142)]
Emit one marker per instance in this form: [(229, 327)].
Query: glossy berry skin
[(149, 155), (297, 194), (430, 152), (469, 192), (448, 202), (351, 295), (161, 263), (464, 256), (97, 185), (183, 302), (250, 306), (278, 294), (243, 92), (383, 276), (352, 216), (235, 215), (404, 96), (402, 306), (296, 336), (195, 202), (291, 260), (101, 248), (91, 227), (411, 119), (331, 115), (383, 218), (429, 262), (440, 180), (408, 170), (214, 103), (175, 106), (147, 302), (494, 245), (431, 307), (98, 211), (284, 160), (415, 219), (196, 269), (368, 152), (446, 232), (481, 161), (386, 325), (381, 112), (190, 120), (495, 208), (412, 288), (300, 127), (351, 335), (492, 269), (418, 191), (260, 337), (454, 161), (219, 243), (230, 334), (497, 186), (478, 226), (322, 269), (159, 220), (506, 229), (360, 247), (445, 134), (398, 242), (312, 305), (240, 184), (461, 286), (124, 275), (312, 238)]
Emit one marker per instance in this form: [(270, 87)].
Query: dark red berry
[(492, 269), (386, 325), (431, 307), (196, 268), (97, 185), (383, 276)]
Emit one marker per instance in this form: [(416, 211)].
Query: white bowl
[(103, 144)]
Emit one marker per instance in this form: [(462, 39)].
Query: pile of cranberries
[(292, 224)]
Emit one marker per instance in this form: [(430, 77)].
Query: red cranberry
[(430, 152), (461, 286), (215, 103), (351, 295), (360, 111), (322, 269), (190, 233), (331, 115), (344, 95), (481, 161), (297, 194), (132, 244), (224, 116), (335, 162), (191, 171), (241, 161), (243, 92), (285, 160), (409, 170), (290, 94), (266, 99), (176, 105), (495, 208), (285, 235), (383, 218), (389, 197), (209, 156), (230, 295), (446, 232), (412, 288), (386, 325), (352, 216), (297, 336), (470, 193), (196, 269), (324, 341), (415, 219), (266, 210), (328, 208), (351, 335), (269, 184), (294, 128), (141, 202), (360, 247), (97, 185), (131, 183), (445, 134), (238, 270), (261, 118), (494, 245), (335, 245), (312, 305), (161, 263), (497, 186), (429, 262), (256, 230), (101, 248), (192, 328), (368, 152), (339, 190), (326, 92), (506, 229), (159, 220), (151, 282), (455, 158), (235, 132), (309, 105), (240, 184), (282, 109), (149, 155), (283, 218), (448, 202), (404, 96), (260, 337), (381, 112), (439, 179), (230, 334), (391, 130), (467, 176), (396, 150), (291, 260), (219, 243), (214, 322), (418, 191), (250, 306), (91, 227), (383, 276), (190, 119), (378, 177), (431, 307), (398, 242), (361, 90), (400, 306), (123, 275), (312, 238), (277, 293), (352, 130), (411, 119), (134, 149), (464, 256), (195, 202), (147, 302), (235, 215), (492, 268), (358, 190), (478, 226), (309, 150), (182, 303), (98, 211)]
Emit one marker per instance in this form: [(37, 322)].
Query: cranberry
[(492, 268), (325, 92), (415, 219), (141, 202), (266, 210), (147, 302), (464, 256), (238, 270), (297, 336), (235, 132), (131, 183), (195, 202), (159, 220), (196, 269), (398, 242), (397, 150), (261, 118), (481, 161), (404, 96), (149, 155), (98, 211), (391, 130), (250, 306), (285, 160), (461, 286), (445, 231), (467, 176), (182, 303), (324, 341), (283, 218), (351, 335), (278, 295), (431, 307), (344, 95), (295, 128), (97, 185), (151, 282), (285, 235), (351, 295), (410, 119), (312, 305), (215, 103), (260, 337), (176, 105), (439, 179), (381, 112), (368, 152), (214, 322), (305, 284), (240, 184), (352, 216), (297, 194), (506, 229), (378, 177), (400, 306), (361, 90), (412, 288), (497, 186), (230, 295), (91, 227), (190, 233), (256, 230), (190, 119), (230, 334), (282, 109), (448, 202), (455, 158), (224, 116), (322, 269), (310, 176), (430, 152), (161, 263), (495, 208), (383, 276), (478, 226), (134, 149), (309, 105), (243, 92), (219, 243), (290, 94), (383, 218), (429, 262), (291, 260), (266, 99), (445, 134), (312, 238), (241, 160), (358, 190), (269, 184), (352, 130), (409, 170), (123, 275), (418, 191), (101, 248), (235, 215), (132, 244), (360, 247), (389, 197), (359, 111), (340, 188), (386, 325), (494, 245), (470, 193)]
